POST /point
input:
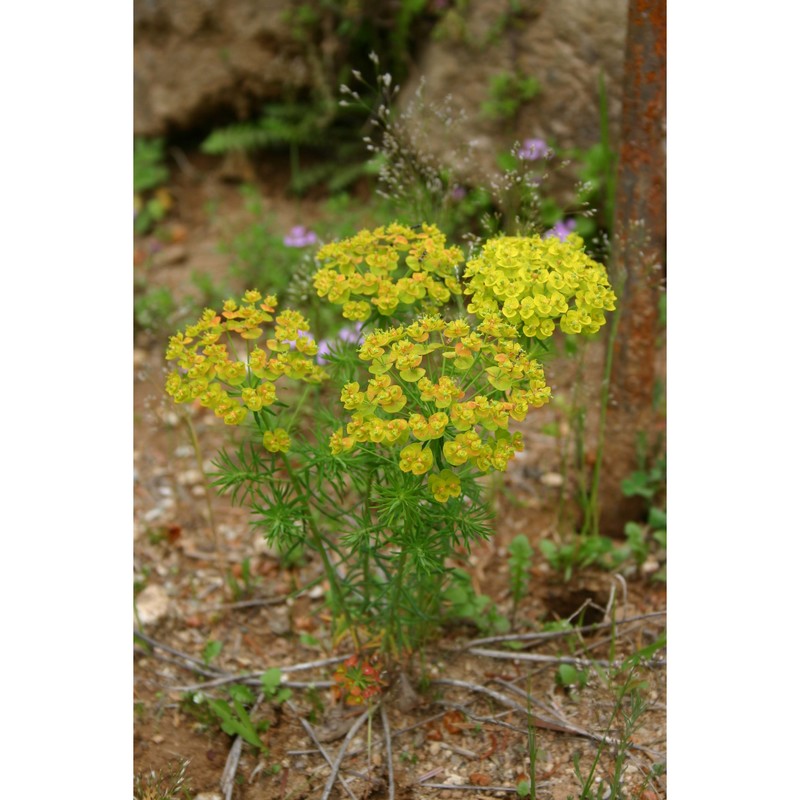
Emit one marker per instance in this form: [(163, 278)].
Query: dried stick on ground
[(508, 703), (509, 655), (174, 661), (202, 667), (219, 677), (469, 788), (561, 718), (387, 732), (529, 637), (313, 736), (342, 752), (264, 601), (539, 722)]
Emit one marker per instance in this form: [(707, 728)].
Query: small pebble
[(153, 514), (189, 477), (152, 604), (552, 479), (649, 566), (174, 254)]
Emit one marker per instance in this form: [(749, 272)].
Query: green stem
[(300, 404), (319, 545), (198, 455), (395, 632), (367, 521)]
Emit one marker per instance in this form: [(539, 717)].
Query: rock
[(174, 254), (552, 479), (190, 477), (139, 357), (196, 58), (564, 45), (208, 796), (152, 604), (197, 62), (279, 622)]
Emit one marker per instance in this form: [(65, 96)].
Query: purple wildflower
[(561, 229), (350, 334), (323, 349), (458, 193), (532, 149), (300, 335), (300, 236)]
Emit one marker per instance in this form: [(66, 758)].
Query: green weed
[(151, 201), (508, 92), (167, 784), (520, 562)]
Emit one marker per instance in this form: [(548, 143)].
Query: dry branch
[(387, 732), (525, 637), (342, 752)]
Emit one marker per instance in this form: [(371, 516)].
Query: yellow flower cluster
[(386, 268), (536, 283), (210, 374), (448, 387)]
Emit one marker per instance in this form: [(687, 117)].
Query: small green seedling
[(242, 586), (570, 677), (212, 649), (466, 603), (271, 684), (235, 720), (524, 788), (520, 555)]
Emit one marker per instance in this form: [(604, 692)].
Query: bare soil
[(442, 734)]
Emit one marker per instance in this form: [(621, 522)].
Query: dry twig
[(541, 636), (310, 731), (387, 732), (342, 752), (200, 666)]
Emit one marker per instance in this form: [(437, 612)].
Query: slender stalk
[(366, 517), (198, 455), (532, 747), (395, 634), (300, 404), (319, 545)]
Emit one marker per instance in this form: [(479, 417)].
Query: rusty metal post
[(639, 256)]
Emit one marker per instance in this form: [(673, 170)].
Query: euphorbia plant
[(386, 485)]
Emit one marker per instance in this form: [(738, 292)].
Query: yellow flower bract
[(388, 267), (534, 283), (211, 375), (448, 386)]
